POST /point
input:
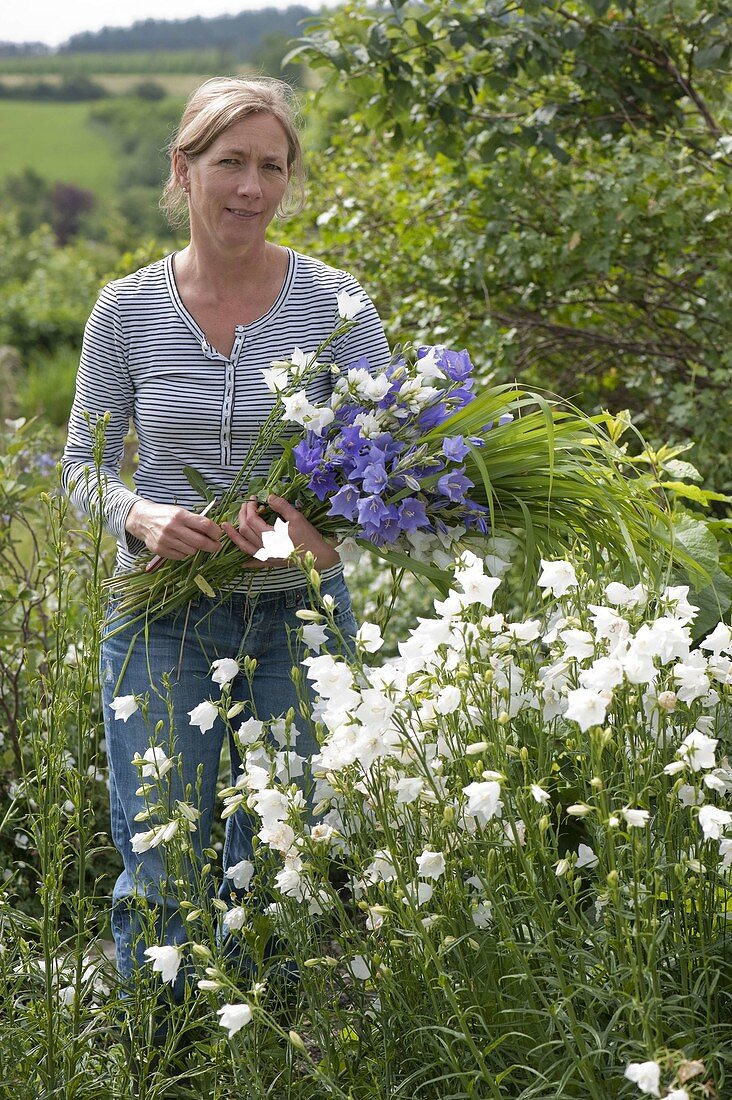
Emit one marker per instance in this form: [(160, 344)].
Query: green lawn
[(56, 140)]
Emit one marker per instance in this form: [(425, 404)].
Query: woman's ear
[(181, 166)]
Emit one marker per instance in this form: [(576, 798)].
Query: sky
[(53, 21)]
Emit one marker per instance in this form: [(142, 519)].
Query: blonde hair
[(211, 109)]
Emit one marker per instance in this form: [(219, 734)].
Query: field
[(57, 141), (142, 64)]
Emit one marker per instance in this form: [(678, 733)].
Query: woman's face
[(236, 185)]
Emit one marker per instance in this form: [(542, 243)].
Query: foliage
[(234, 36), (70, 89), (563, 167), (47, 292)]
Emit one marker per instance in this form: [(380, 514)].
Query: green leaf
[(682, 471), (693, 492), (198, 483), (698, 541)]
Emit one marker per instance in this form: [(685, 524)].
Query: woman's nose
[(248, 182)]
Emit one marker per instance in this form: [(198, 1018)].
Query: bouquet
[(416, 464)]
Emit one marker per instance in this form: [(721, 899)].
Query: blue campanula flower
[(433, 415), (345, 502), (385, 528), (455, 364), (371, 509), (323, 482), (309, 453), (455, 448), (375, 477), (454, 485), (412, 514)]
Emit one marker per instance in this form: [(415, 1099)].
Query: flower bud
[(296, 1040)]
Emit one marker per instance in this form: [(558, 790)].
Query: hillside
[(240, 35)]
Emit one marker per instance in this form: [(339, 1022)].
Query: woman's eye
[(228, 160), (273, 167)]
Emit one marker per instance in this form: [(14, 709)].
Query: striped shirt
[(145, 358)]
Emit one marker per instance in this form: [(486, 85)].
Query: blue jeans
[(182, 647)]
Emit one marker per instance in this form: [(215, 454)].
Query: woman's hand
[(305, 537), (172, 532)]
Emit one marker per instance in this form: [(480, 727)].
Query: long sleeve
[(103, 385)]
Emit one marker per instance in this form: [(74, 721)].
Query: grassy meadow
[(57, 141)]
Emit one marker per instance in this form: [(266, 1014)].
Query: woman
[(179, 347)]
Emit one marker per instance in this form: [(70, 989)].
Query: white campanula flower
[(448, 700), (720, 779), (314, 636), (621, 596), (431, 864), (677, 1094), (277, 542), (587, 708), (484, 800), (381, 869), (476, 586), (291, 883), (225, 670), (713, 820), (270, 805), (277, 834), (276, 378), (427, 364), (609, 625), (527, 631), (328, 675), (299, 363), (358, 968), (418, 895), (159, 834), (408, 790), (557, 576), (234, 1017), (370, 423), (603, 675), (697, 750), (165, 961), (235, 918), (668, 638), (676, 596), (481, 914), (646, 1075), (635, 819), (578, 643), (250, 731), (586, 857), (719, 641), (204, 715), (288, 765), (689, 796), (124, 706), (241, 873), (725, 852), (322, 833), (368, 638), (691, 675), (539, 794), (349, 305), (154, 762)]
